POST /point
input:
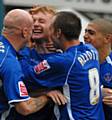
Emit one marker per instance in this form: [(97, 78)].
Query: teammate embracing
[(77, 69)]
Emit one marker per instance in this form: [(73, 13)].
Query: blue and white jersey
[(106, 79), (12, 88), (77, 70), (106, 72), (35, 58), (34, 88)]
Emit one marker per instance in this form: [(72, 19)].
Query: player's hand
[(57, 97), (107, 96), (50, 47)]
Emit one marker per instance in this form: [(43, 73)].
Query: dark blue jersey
[(35, 58), (77, 70), (106, 79), (34, 89), (12, 88), (106, 72)]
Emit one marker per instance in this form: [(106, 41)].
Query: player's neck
[(68, 44), (103, 53), (14, 41)]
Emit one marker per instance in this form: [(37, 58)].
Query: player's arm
[(16, 92), (35, 104), (32, 105), (55, 95)]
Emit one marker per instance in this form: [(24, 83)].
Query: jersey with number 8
[(94, 86), (77, 70)]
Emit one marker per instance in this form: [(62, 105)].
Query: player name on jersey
[(85, 57)]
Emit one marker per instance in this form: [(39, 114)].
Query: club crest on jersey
[(43, 66), (22, 89), (108, 77)]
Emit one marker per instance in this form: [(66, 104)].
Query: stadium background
[(86, 9)]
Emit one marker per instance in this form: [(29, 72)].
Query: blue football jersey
[(35, 58), (77, 70), (106, 72), (35, 89), (106, 79), (12, 88)]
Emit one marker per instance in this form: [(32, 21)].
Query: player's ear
[(24, 32), (108, 38), (59, 33)]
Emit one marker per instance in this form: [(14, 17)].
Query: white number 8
[(94, 86)]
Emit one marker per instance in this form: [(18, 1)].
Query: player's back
[(83, 80)]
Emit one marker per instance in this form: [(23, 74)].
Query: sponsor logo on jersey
[(108, 77), (22, 89), (43, 66)]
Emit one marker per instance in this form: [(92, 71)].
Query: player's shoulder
[(55, 56), (89, 47), (110, 56), (25, 52), (4, 49), (108, 61)]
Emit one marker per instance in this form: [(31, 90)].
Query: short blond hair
[(44, 9)]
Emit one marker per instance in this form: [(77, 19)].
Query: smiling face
[(94, 36), (41, 21), (99, 34)]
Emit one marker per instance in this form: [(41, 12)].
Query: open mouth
[(37, 31)]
